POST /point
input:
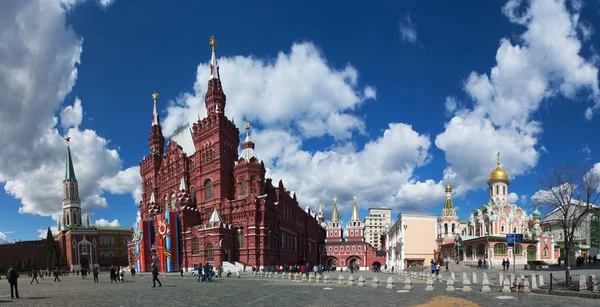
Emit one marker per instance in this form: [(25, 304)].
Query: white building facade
[(376, 225)]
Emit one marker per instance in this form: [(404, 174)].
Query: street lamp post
[(514, 254)]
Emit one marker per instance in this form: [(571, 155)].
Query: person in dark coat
[(35, 276), (155, 276), (12, 275)]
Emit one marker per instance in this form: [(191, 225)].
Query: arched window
[(445, 229), (243, 183), (111, 240), (469, 251), (453, 228), (208, 190), (173, 199), (546, 251), (209, 253), (518, 249), (504, 190), (102, 241), (166, 203), (496, 189), (195, 246), (500, 249)]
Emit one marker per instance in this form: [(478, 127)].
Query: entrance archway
[(332, 263), (85, 263), (376, 265), (353, 262)]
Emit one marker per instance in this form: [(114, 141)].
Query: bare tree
[(569, 196)]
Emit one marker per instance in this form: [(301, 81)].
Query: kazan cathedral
[(483, 235), (203, 202)]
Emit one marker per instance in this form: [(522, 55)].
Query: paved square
[(250, 291)]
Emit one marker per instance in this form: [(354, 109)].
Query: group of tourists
[(590, 260), (482, 264), (117, 274), (505, 264)]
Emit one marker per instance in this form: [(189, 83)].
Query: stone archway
[(376, 265), (85, 262), (354, 261), (332, 262)]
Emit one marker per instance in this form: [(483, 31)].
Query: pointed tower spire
[(215, 98), (320, 207), (334, 215), (248, 146), (87, 219), (155, 118), (215, 218), (70, 171), (183, 185), (214, 66), (355, 216)]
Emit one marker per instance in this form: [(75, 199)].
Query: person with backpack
[(12, 275)]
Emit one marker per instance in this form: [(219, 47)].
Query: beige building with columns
[(411, 240), (376, 225)]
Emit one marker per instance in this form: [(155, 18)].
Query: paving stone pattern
[(249, 291)]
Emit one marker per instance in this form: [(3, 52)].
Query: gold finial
[(498, 155), (334, 200), (355, 197), (154, 96), (213, 42), (67, 139), (320, 202), (247, 126)]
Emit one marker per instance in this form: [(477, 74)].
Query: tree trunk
[(567, 265)]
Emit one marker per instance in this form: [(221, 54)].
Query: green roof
[(112, 228), (70, 171)]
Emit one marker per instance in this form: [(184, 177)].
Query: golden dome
[(448, 188), (499, 174)]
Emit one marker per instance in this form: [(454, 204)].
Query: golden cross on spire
[(67, 139), (213, 42), (335, 199), (498, 155), (355, 197), (154, 96), (247, 126)]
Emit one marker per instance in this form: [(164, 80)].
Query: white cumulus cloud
[(408, 30), (40, 65), (298, 96), (543, 62), (103, 222)]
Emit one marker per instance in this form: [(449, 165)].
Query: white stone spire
[(214, 66), (183, 185), (152, 198), (215, 218), (155, 120)]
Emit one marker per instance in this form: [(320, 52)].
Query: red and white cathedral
[(204, 202)]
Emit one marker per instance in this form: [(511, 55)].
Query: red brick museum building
[(204, 202)]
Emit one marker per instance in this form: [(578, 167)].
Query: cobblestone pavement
[(250, 291)]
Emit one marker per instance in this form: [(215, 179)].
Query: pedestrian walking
[(155, 276), (35, 276), (55, 272), (12, 275), (95, 272)]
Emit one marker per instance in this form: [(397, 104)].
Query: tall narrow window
[(195, 246), (209, 253), (208, 190), (496, 189), (504, 190), (166, 203), (445, 229), (173, 199), (282, 240), (453, 228), (243, 183)]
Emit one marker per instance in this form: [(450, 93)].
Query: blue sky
[(383, 100)]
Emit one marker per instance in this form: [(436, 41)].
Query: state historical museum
[(204, 202)]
